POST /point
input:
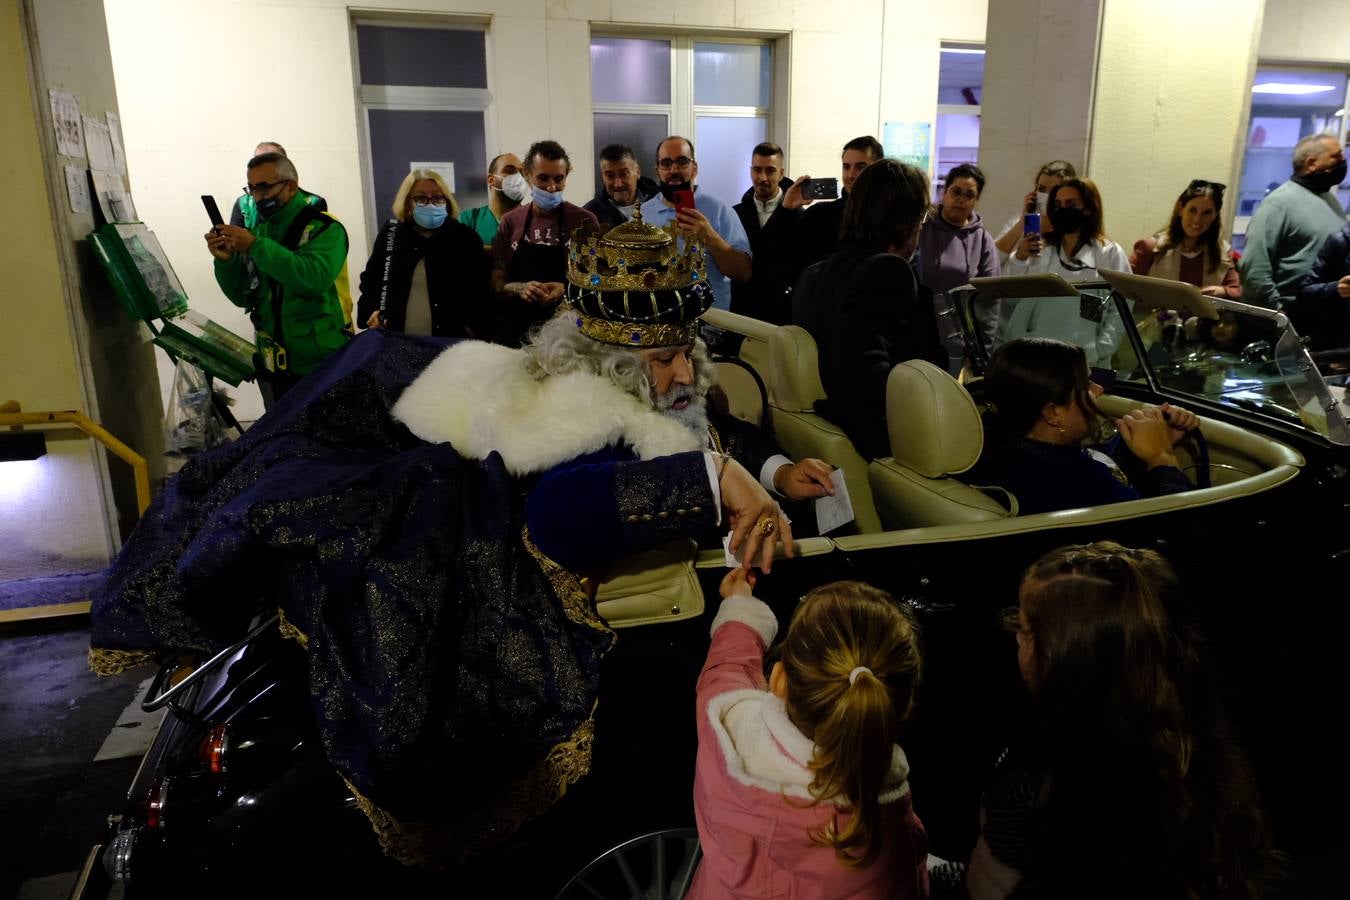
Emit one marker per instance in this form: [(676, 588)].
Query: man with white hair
[(1292, 223)]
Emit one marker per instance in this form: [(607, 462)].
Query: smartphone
[(212, 210), (684, 200), (821, 189), (1031, 224)]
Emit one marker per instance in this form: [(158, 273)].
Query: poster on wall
[(112, 197), (444, 169), (909, 142), (77, 188), (118, 147), (66, 121), (98, 143)]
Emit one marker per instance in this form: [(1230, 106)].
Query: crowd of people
[(583, 380)]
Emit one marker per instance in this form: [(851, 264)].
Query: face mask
[(1067, 219), (668, 190), (269, 207), (546, 201), (515, 186), (1326, 179), (430, 216)]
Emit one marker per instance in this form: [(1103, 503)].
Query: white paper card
[(66, 121), (831, 512), (118, 148), (444, 169), (98, 142), (733, 559), (77, 188)]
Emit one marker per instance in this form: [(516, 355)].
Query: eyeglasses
[(1212, 185), (262, 187), (424, 200), (960, 194), (678, 162)]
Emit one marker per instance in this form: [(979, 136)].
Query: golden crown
[(636, 256)]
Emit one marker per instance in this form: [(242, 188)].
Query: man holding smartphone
[(701, 217), (818, 232)]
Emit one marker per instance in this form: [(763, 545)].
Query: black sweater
[(458, 275)]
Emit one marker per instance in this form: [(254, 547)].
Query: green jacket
[(311, 313), (1283, 239)]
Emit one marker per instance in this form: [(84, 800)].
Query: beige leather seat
[(935, 433), (794, 387), (746, 393)]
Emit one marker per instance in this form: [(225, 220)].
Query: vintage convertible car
[(236, 785)]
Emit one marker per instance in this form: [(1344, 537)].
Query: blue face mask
[(546, 201), (430, 216)]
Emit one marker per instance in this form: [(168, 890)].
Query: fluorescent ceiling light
[(962, 50), (1291, 88)]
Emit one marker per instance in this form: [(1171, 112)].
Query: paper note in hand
[(831, 512), (733, 559)]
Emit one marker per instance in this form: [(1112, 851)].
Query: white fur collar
[(478, 397), (763, 749)]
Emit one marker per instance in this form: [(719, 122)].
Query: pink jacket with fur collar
[(751, 796)]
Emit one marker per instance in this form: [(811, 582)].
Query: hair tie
[(853, 676)]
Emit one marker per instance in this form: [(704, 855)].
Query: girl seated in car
[(1042, 410), (800, 789), (1127, 783)]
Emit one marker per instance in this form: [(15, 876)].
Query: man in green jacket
[(284, 271), (1292, 223)]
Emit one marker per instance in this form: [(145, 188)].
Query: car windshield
[(1247, 358)]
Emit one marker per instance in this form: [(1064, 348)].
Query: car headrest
[(934, 426), (794, 370)]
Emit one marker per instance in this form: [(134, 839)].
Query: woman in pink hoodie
[(800, 789)]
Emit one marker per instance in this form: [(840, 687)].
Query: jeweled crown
[(635, 287)]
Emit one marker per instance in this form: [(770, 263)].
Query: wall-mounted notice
[(66, 120), (444, 169), (118, 147), (77, 187), (112, 197), (909, 142), (98, 142)]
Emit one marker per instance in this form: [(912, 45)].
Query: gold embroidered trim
[(437, 845), (290, 631), (114, 662), (716, 441), (577, 604)]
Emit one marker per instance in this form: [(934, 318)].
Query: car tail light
[(154, 804), (214, 749)]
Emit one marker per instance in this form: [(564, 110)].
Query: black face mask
[(1067, 219), (269, 207), (668, 189), (1326, 179)]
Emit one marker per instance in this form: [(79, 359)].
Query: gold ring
[(767, 526)]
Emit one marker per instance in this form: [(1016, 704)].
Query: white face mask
[(515, 186)]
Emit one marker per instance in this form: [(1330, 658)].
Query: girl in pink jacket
[(800, 789)]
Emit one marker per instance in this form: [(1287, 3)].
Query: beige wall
[(1165, 114), (193, 106), (1306, 31), (51, 509)]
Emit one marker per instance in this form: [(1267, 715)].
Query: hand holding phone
[(212, 211), (821, 189)]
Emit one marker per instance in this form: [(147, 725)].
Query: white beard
[(694, 416)]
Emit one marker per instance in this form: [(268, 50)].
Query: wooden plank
[(43, 613)]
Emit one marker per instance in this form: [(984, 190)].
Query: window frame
[(411, 98)]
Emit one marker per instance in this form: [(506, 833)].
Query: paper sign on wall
[(66, 121), (444, 169), (98, 142), (118, 148), (77, 188), (909, 142)]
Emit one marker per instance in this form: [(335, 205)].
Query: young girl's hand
[(738, 581)]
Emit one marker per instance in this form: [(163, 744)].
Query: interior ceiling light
[(1289, 88), (962, 50)]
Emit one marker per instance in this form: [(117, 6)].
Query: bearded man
[(419, 512)]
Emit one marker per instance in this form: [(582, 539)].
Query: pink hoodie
[(751, 796)]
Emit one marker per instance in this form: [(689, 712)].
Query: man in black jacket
[(623, 187), (818, 233), (771, 228)]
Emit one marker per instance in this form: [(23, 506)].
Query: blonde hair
[(403, 206), (854, 723)]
